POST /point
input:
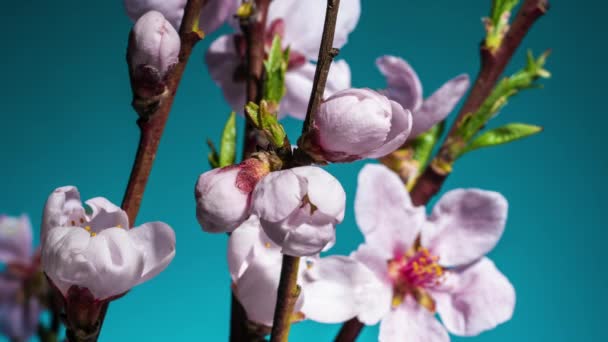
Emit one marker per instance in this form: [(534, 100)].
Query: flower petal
[(13, 321), (173, 10), (106, 214), (413, 323), (15, 239), (222, 63), (324, 191), (249, 241), (481, 299), (298, 82), (256, 290), (384, 211), (403, 84), (338, 288), (401, 126), (215, 13), (303, 35), (277, 195), (62, 206), (465, 225), (440, 104), (156, 242), (307, 239)]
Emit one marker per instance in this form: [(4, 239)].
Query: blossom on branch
[(213, 14), (223, 196), (299, 209), (90, 250), (431, 264), (404, 87), (357, 123), (299, 24), (327, 295)]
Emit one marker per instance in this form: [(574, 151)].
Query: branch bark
[(287, 295), (492, 66), (151, 129)]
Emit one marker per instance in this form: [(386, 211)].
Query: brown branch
[(287, 295), (349, 331), (254, 30), (492, 66), (152, 126), (327, 53)]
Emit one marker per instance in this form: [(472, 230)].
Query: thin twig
[(289, 290), (492, 66), (151, 128), (287, 295), (254, 31)]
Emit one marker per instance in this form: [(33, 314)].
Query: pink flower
[(445, 271), (15, 322), (91, 249), (326, 283), (213, 14), (300, 24), (357, 123), (223, 196), (299, 208), (404, 87), (15, 240)]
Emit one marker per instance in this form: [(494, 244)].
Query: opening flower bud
[(223, 196), (299, 209), (355, 124)]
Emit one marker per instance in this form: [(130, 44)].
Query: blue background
[(66, 119)]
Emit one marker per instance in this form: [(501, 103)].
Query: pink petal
[(481, 299), (307, 239), (401, 125), (222, 63), (465, 225), (338, 288), (384, 211), (15, 239), (256, 290), (277, 195), (304, 21), (156, 241), (403, 84), (62, 203), (215, 13), (299, 85), (413, 323), (323, 190), (440, 104), (106, 214)]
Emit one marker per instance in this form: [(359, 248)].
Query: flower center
[(412, 273), (80, 219)]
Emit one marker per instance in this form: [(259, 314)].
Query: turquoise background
[(66, 119)]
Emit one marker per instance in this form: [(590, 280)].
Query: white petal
[(323, 190), (105, 214), (222, 63), (403, 84), (277, 195), (156, 242), (413, 323), (465, 225), (401, 126), (248, 241), (384, 211), (481, 298), (62, 205)]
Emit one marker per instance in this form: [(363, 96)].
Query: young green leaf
[(276, 67), (497, 24), (503, 135), (228, 142), (424, 143)]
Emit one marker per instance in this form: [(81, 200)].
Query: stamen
[(87, 228)]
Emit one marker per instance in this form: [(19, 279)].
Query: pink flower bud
[(223, 195), (299, 209), (155, 43), (357, 123)]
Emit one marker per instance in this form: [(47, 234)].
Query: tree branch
[(289, 290), (492, 66), (151, 128)]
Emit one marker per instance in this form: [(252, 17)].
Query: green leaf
[(508, 87), (252, 110), (497, 24), (424, 143), (213, 156), (228, 142), (276, 67), (263, 117), (503, 135)]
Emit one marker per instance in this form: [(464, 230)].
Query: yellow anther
[(119, 226), (93, 234), (267, 245), (87, 228)]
